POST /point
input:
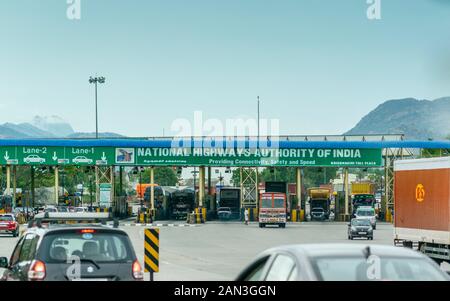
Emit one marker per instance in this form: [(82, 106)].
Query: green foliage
[(69, 177), (164, 176)]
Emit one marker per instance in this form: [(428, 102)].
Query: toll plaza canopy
[(201, 152)]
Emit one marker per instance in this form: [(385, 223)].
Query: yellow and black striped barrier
[(199, 216), (151, 251)]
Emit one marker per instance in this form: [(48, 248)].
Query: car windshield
[(224, 209), (63, 209), (319, 210), (365, 212), (360, 222), (97, 246), (5, 218), (390, 269)]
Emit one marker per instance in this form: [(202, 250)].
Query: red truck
[(272, 209), (422, 206)]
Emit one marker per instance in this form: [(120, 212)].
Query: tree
[(164, 176)]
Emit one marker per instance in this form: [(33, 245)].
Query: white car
[(34, 159), (367, 213), (81, 209), (82, 159)]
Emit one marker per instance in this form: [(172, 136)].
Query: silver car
[(342, 262)]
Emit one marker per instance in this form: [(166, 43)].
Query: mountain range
[(46, 127), (416, 119)]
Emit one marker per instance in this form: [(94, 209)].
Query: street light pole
[(96, 80), (258, 121)]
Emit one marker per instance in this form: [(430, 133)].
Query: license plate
[(362, 233)]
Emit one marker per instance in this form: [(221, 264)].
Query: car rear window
[(365, 212), (6, 218), (99, 246), (381, 269)]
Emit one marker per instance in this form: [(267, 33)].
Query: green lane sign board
[(258, 157), (189, 156)]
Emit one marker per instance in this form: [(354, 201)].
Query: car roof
[(332, 250), (70, 227)]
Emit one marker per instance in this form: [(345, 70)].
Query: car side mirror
[(3, 262), (349, 224)]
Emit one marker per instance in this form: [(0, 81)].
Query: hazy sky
[(319, 66)]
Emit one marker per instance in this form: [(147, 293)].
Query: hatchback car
[(76, 252), (8, 224), (342, 262), (360, 227)]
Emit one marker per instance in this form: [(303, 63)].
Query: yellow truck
[(319, 203), (363, 194)]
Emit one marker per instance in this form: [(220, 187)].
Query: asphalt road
[(219, 251)]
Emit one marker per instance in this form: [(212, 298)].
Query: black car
[(60, 252), (360, 227)]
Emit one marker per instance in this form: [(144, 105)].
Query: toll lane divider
[(151, 251)]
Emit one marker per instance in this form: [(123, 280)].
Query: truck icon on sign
[(82, 159), (34, 159)]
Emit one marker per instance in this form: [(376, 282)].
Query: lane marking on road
[(158, 225)]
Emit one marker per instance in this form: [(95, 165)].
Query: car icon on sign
[(82, 159), (34, 159)]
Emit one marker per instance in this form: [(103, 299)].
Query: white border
[(431, 236), (422, 164)]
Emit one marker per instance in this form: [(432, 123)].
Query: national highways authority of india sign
[(189, 156)]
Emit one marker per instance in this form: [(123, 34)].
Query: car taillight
[(37, 270), (137, 270), (87, 231)]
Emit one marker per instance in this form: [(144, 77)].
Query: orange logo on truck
[(420, 193)]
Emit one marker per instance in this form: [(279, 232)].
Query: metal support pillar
[(104, 175), (299, 187), (120, 180), (113, 188), (201, 187), (8, 180), (32, 187), (209, 181), (14, 185), (56, 185), (152, 188), (249, 187), (346, 191)]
